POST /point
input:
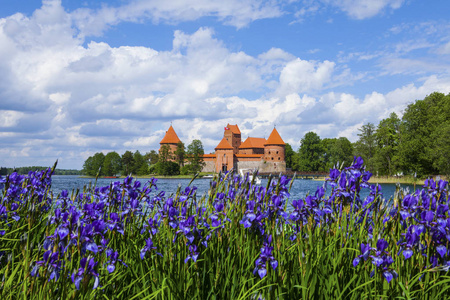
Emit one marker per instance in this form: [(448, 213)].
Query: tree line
[(181, 161), (417, 144), (26, 170)]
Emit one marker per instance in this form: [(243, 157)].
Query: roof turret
[(274, 138), (171, 137)]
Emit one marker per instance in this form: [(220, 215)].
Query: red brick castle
[(254, 153)]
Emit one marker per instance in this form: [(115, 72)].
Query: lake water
[(300, 188)]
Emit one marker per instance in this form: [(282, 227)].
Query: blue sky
[(80, 77)]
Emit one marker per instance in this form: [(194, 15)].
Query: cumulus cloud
[(62, 98)]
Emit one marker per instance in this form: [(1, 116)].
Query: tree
[(112, 164), (289, 156), (365, 146), (127, 162), (95, 164), (337, 151), (387, 140), (139, 166), (180, 153), (151, 157), (164, 154), (195, 156), (88, 168), (310, 153), (167, 168), (421, 132)]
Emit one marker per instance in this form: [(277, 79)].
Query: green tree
[(140, 166), (167, 168), (310, 153), (387, 140), (151, 157), (337, 151), (127, 162), (441, 155), (180, 154), (195, 156), (96, 164), (112, 164), (289, 156), (421, 132), (88, 168), (366, 145), (164, 154)]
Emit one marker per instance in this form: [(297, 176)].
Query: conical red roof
[(224, 144), (274, 138), (171, 137)]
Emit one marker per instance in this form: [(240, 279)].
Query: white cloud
[(237, 13), (302, 76), (362, 9), (63, 99)]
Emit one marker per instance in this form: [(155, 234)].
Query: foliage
[(166, 168), (151, 157), (289, 156), (366, 144), (310, 153), (140, 165), (337, 151), (424, 124), (195, 156), (93, 165), (112, 164), (180, 154), (26, 170), (165, 154), (129, 240), (387, 140), (127, 162), (185, 170)]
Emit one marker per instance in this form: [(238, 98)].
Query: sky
[(81, 77)]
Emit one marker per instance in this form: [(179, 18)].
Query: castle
[(254, 153)]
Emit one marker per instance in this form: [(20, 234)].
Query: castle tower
[(170, 139), (274, 149), (233, 136), (224, 156)]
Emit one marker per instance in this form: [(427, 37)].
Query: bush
[(185, 170), (167, 168)]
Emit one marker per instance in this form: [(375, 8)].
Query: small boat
[(209, 176)]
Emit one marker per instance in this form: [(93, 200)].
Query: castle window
[(269, 152), (278, 158), (277, 152), (272, 158)]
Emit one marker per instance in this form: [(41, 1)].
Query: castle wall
[(210, 166), (272, 167), (251, 151), (249, 164)]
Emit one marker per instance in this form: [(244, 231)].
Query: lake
[(300, 188)]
